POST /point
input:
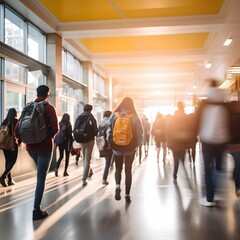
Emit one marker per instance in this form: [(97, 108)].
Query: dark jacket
[(52, 126), (181, 131)]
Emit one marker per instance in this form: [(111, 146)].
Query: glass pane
[(36, 44), (14, 30), (36, 78), (32, 94), (14, 72), (15, 100), (70, 65)]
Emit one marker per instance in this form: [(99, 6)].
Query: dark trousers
[(128, 170), (63, 148), (177, 156), (236, 170), (10, 160), (212, 155)]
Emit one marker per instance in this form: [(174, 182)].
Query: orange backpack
[(122, 131)]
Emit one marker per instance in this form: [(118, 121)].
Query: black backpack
[(32, 126), (83, 129)]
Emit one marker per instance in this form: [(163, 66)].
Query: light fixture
[(208, 65), (227, 42)]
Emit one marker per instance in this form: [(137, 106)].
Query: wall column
[(54, 78)]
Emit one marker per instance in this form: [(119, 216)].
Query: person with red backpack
[(124, 134)]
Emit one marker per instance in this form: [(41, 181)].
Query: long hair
[(65, 118), (126, 104), (11, 115)]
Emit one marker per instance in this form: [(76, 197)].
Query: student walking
[(64, 140), (105, 150), (85, 130), (124, 145), (10, 154), (41, 152)]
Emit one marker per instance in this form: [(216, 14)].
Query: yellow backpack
[(122, 131)]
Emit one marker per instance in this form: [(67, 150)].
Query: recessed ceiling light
[(208, 65), (227, 42)]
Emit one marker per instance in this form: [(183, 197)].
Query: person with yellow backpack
[(124, 134)]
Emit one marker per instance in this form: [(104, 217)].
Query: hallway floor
[(160, 208)]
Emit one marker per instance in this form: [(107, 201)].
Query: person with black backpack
[(85, 130), (124, 134), (41, 152), (63, 141), (103, 146)]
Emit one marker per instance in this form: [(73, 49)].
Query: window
[(36, 44), (36, 78), (98, 84), (72, 67), (14, 72), (14, 30)]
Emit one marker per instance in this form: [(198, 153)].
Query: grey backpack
[(32, 126)]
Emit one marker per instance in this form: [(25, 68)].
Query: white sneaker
[(205, 203)]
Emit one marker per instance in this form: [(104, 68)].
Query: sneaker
[(90, 173), (84, 184), (117, 194), (65, 174), (39, 214), (3, 182), (205, 203), (238, 192), (128, 199), (104, 182), (11, 182), (56, 172)]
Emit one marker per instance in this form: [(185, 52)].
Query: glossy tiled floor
[(160, 209)]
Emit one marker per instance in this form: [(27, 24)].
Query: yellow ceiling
[(145, 43), (90, 10)]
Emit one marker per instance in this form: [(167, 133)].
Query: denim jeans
[(108, 158), (236, 170), (42, 160), (86, 149), (212, 155)]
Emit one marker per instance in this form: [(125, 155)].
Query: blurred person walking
[(159, 135), (181, 130), (214, 134)]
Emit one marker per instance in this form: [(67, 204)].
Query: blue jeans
[(108, 158), (86, 149), (42, 160), (236, 170), (212, 155)]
